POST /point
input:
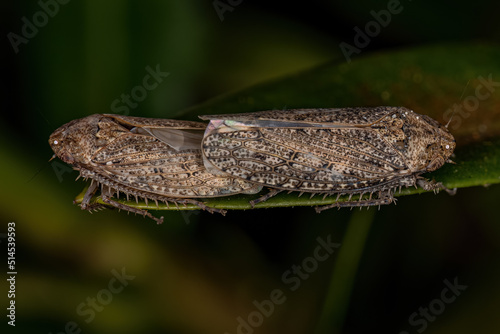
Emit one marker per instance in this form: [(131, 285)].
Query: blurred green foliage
[(198, 273)]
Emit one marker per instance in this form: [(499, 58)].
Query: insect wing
[(155, 123), (154, 158), (179, 135), (323, 157), (322, 117)]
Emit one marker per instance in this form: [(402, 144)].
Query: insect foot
[(343, 151), (153, 159)]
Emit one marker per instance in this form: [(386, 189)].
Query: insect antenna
[(40, 169), (52, 158)]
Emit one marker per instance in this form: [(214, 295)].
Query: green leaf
[(437, 81), (344, 273)]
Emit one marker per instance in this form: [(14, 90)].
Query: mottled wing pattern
[(327, 158), (179, 135), (322, 117), (144, 162), (156, 123)]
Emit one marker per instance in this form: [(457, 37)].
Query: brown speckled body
[(329, 151), (154, 159)]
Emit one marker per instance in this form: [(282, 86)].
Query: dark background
[(197, 273)]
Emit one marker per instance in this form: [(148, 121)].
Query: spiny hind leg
[(271, 193), (434, 186), (145, 213), (383, 198), (107, 193), (106, 199), (200, 205)]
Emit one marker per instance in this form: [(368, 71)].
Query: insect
[(156, 159), (369, 152)]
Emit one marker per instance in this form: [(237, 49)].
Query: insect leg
[(85, 204), (383, 199), (121, 206), (200, 205), (271, 193), (435, 186)]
